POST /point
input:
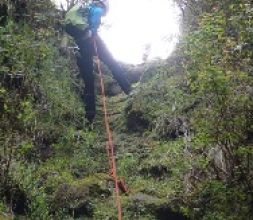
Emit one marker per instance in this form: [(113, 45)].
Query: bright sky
[(135, 27)]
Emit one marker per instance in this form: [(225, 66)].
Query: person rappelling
[(82, 22)]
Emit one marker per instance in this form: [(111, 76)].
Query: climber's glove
[(94, 32), (88, 33)]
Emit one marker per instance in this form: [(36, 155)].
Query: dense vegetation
[(184, 138)]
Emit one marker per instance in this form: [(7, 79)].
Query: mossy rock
[(71, 196), (136, 120), (97, 184), (171, 127), (157, 171), (77, 195), (144, 204)]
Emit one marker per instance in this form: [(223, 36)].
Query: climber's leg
[(85, 64), (117, 71)]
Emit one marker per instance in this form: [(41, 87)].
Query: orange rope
[(110, 145)]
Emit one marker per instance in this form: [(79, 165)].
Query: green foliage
[(214, 193), (203, 116), (127, 164), (192, 149), (41, 116), (24, 176), (3, 207)]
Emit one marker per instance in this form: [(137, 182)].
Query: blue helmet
[(105, 3)]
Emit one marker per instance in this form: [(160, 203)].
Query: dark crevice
[(136, 121), (165, 213), (17, 200), (3, 14)]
